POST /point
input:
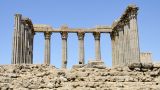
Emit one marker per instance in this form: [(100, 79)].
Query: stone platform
[(45, 77)]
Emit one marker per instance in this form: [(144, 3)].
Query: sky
[(82, 14)]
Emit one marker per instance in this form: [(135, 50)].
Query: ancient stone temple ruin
[(131, 70), (123, 33)]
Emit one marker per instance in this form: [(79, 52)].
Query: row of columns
[(125, 41), (22, 52), (64, 36)]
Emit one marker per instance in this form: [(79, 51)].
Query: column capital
[(80, 35), (126, 21), (113, 35), (96, 35), (47, 35), (64, 35), (132, 14)]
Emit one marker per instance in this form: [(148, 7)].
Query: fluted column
[(134, 39), (21, 44), (32, 47), (26, 43), (14, 47), (116, 48), (126, 43), (81, 47), (16, 40), (47, 48), (64, 36), (120, 48), (112, 35), (97, 45)]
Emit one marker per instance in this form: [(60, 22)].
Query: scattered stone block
[(96, 64)]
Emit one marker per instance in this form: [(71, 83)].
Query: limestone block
[(96, 64), (135, 65), (156, 65)]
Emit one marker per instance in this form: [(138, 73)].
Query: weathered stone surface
[(79, 66), (147, 65), (46, 77), (156, 65), (135, 65), (96, 64)]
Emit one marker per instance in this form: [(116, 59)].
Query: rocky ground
[(43, 77)]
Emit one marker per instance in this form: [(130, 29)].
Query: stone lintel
[(44, 28)]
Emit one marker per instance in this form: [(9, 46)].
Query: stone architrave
[(81, 47)]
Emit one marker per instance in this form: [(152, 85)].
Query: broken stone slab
[(96, 64), (141, 66), (156, 65), (99, 66), (79, 66), (155, 73), (147, 65), (134, 65)]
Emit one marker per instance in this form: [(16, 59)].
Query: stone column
[(123, 44), (81, 47), (112, 35), (26, 43), (14, 47), (64, 36), (97, 45), (16, 40), (116, 48), (30, 46), (120, 47), (47, 48), (134, 38), (21, 44), (126, 43), (33, 33)]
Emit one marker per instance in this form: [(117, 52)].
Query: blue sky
[(78, 13)]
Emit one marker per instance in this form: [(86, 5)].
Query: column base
[(96, 64)]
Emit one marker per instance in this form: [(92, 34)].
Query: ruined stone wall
[(146, 57), (43, 77)]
